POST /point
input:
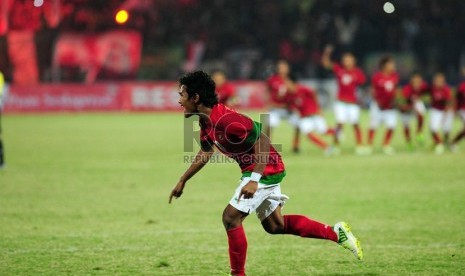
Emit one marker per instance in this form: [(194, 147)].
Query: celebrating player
[(225, 90), (460, 107), (311, 123), (349, 78), (442, 116), (240, 138), (411, 104), (382, 109), (279, 101)]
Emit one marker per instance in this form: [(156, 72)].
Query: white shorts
[(387, 117), (406, 117), (314, 123), (346, 113), (419, 107), (461, 113), (441, 120), (264, 202), (278, 114)]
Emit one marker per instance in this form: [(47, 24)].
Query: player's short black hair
[(384, 60), (199, 82)]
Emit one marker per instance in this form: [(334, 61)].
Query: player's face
[(189, 106), (348, 61), (390, 66), (219, 78), (416, 81), (439, 81), (283, 68)]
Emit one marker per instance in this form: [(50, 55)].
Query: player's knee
[(230, 221), (274, 229)]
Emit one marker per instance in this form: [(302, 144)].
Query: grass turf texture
[(87, 194)]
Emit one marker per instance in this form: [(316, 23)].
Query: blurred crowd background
[(244, 38)]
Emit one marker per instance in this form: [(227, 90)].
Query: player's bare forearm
[(199, 162), (262, 152), (326, 57)]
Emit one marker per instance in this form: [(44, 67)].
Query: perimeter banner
[(126, 96)]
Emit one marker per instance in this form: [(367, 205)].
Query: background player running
[(382, 109), (310, 121), (279, 101), (411, 104), (346, 109), (240, 138), (224, 89), (442, 115), (460, 107)]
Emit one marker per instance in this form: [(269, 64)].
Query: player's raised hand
[(177, 190), (248, 190), (329, 48)]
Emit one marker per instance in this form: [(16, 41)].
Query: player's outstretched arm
[(326, 57), (261, 157), (200, 160)]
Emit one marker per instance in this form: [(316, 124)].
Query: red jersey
[(460, 97), (234, 134), (278, 90), (440, 97), (409, 93), (305, 101), (348, 82), (225, 92), (385, 89)]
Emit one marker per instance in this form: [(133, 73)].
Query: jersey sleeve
[(205, 142), (238, 127), (361, 78)]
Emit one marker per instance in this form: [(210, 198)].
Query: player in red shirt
[(310, 121), (382, 109), (346, 109), (411, 103), (224, 89), (442, 116), (262, 168), (460, 107), (280, 102)]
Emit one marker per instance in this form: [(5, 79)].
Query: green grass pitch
[(87, 194)]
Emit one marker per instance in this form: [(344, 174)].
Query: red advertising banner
[(156, 96), (118, 52)]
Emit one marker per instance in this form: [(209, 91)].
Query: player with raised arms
[(442, 115), (410, 104), (383, 107), (239, 137), (346, 109)]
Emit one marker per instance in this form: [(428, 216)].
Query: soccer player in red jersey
[(442, 116), (310, 121), (460, 107), (241, 139), (225, 90), (382, 109), (280, 102), (410, 104), (346, 109)]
